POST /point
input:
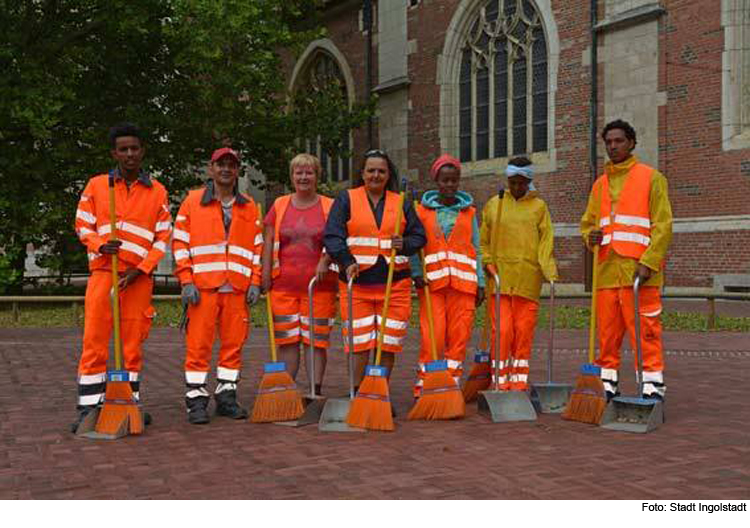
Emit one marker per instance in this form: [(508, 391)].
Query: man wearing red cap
[(217, 244), (454, 268)]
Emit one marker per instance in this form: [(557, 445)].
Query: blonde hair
[(305, 160)]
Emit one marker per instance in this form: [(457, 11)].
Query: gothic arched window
[(503, 83)]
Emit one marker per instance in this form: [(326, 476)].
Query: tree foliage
[(194, 74)]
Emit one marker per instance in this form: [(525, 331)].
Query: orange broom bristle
[(587, 401), (478, 380), (371, 408), (278, 399), (441, 398), (117, 408)]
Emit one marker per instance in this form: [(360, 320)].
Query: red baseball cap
[(224, 151)]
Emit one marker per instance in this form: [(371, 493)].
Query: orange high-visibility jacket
[(451, 262), (143, 222), (365, 240), (627, 229), (281, 204), (203, 252)]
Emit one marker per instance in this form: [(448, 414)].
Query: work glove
[(190, 295), (253, 294)]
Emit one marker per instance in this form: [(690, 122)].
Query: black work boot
[(226, 405), (197, 410), (83, 411)]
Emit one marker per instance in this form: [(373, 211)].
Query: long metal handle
[(350, 324), (551, 348), (496, 276), (638, 351), (311, 329)]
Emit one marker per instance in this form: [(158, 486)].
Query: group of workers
[(227, 254)]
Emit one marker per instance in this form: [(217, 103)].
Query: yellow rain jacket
[(617, 271), (523, 249)]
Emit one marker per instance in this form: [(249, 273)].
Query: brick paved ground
[(702, 452)]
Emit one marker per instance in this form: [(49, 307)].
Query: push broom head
[(120, 414), (441, 398), (479, 377), (371, 407), (588, 400), (278, 399)]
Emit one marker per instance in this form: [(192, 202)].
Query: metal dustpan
[(550, 397), (504, 406), (634, 414), (313, 403), (335, 410)]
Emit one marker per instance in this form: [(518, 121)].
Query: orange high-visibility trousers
[(227, 315), (616, 314), (291, 317), (136, 315), (367, 308), (518, 317), (453, 319)]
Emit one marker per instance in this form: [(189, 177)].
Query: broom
[(278, 399), (120, 413), (479, 377), (441, 398), (371, 408), (588, 400)]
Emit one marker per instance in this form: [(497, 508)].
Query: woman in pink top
[(292, 255)]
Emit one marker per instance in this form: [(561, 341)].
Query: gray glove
[(190, 295), (253, 294)]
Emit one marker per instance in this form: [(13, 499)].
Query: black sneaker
[(197, 410), (83, 411), (226, 405), (611, 395)]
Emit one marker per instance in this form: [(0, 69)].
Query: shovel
[(504, 406), (313, 403), (335, 410), (634, 414), (550, 397)]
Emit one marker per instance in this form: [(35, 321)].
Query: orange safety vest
[(142, 216), (365, 240), (627, 230), (202, 251), (280, 205), (451, 262)]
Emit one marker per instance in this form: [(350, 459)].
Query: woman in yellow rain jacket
[(517, 242)]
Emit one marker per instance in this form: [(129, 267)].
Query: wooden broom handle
[(115, 275), (269, 311), (594, 286), (389, 281), (428, 302)]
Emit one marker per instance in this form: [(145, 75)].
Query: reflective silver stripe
[(179, 234), (365, 338), (393, 323), (385, 243), (503, 379), (450, 270), (134, 248), (520, 363), (195, 377), (421, 367), (654, 377), (221, 387), (209, 266), (163, 226), (317, 321), (276, 246), (84, 198), (258, 239), (242, 252), (434, 257), (636, 238), (364, 321), (391, 340), (462, 259), (210, 249), (197, 393), (650, 388), (286, 318), (84, 231), (180, 218), (86, 217), (283, 334), (651, 314), (256, 259), (453, 364), (226, 374), (606, 239), (128, 228), (91, 399), (92, 379), (318, 337), (503, 364), (93, 256), (181, 254), (609, 374), (604, 221), (362, 241), (134, 376), (639, 221), (520, 378), (239, 268), (161, 246), (366, 259), (609, 386), (438, 274)]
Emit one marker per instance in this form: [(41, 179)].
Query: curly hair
[(622, 125), (124, 130)]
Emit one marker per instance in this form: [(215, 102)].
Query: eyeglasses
[(375, 153)]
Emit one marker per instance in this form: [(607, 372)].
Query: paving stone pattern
[(701, 452)]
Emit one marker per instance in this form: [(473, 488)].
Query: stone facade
[(678, 71)]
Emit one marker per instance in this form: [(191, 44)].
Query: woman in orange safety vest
[(359, 237)]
